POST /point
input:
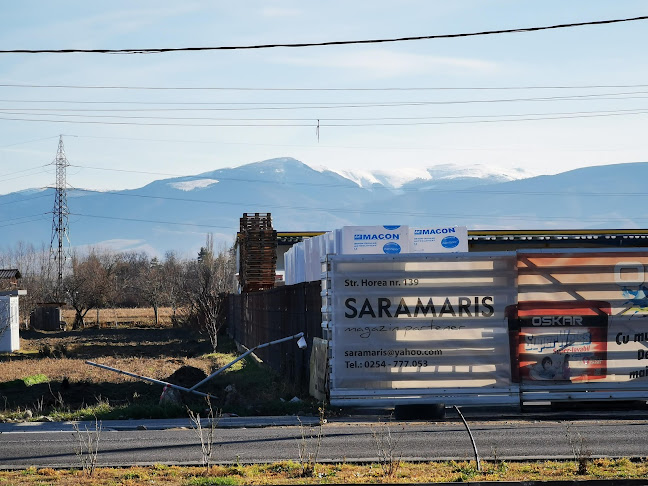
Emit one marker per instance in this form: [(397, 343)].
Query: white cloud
[(386, 63), (96, 26), (280, 12), (119, 245)]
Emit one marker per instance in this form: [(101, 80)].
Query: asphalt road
[(341, 442)]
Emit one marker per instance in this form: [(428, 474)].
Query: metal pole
[(249, 351), (152, 380), (471, 438), (193, 388)]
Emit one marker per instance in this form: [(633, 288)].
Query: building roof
[(10, 273), (507, 239)]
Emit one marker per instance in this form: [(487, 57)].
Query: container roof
[(612, 237)]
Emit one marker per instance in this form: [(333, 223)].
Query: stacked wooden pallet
[(258, 252)]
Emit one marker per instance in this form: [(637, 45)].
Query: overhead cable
[(322, 120), (28, 141), (331, 125), (318, 44), (443, 215), (300, 105), (319, 146), (427, 192), (25, 175), (137, 220), (25, 170), (240, 88), (26, 199), (45, 215)]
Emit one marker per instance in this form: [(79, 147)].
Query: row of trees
[(96, 279)]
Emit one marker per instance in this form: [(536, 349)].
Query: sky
[(545, 102)]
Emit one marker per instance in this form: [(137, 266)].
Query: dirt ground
[(167, 354)]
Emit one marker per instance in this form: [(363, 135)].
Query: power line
[(345, 210), (360, 211), (17, 218), (212, 142), (239, 88), (28, 141), (319, 44), (638, 112), (350, 185), (24, 175), (137, 220), (319, 146), (302, 125), (324, 120), (443, 215), (24, 199), (285, 105), (181, 175), (25, 222), (25, 170), (124, 170)]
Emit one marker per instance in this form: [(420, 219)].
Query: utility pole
[(60, 227)]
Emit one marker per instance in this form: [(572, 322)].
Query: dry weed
[(124, 317), (75, 370)]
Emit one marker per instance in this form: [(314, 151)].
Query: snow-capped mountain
[(436, 176), (176, 214), (190, 185)]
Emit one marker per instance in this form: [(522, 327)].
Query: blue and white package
[(441, 239), (374, 240)]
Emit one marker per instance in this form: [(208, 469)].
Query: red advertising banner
[(565, 342)]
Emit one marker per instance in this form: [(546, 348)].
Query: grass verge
[(288, 473)]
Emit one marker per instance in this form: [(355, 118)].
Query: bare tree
[(126, 279), (195, 289), (152, 286), (207, 282), (89, 285), (32, 263), (172, 271)]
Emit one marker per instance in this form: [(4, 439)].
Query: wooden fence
[(259, 317)]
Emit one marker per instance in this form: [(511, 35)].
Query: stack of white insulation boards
[(303, 262)]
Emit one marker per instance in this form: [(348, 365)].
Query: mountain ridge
[(176, 213)]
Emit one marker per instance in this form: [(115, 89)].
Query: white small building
[(9, 320)]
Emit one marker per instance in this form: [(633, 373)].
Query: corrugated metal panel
[(583, 332), (420, 328), (9, 273)]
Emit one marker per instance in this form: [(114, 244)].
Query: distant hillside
[(175, 214)]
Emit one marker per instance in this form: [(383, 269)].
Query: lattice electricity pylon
[(60, 228)]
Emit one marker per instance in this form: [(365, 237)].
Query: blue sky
[(125, 138)]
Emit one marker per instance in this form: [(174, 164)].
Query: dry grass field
[(124, 317), (49, 375)]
